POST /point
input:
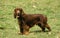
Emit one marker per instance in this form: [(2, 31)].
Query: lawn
[(9, 27)]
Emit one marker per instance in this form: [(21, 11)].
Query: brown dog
[(26, 21)]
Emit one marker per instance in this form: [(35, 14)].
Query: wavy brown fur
[(26, 21)]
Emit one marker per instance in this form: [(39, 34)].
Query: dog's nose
[(17, 16)]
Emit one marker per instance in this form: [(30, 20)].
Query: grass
[(9, 27)]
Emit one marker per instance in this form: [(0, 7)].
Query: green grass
[(50, 8)]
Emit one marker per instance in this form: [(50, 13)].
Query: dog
[(26, 21)]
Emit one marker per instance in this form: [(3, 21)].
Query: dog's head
[(17, 12)]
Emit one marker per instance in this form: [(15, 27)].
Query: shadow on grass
[(38, 31), (2, 28)]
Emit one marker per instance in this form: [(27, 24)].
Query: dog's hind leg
[(48, 27), (42, 26)]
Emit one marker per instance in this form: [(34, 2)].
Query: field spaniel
[(26, 21)]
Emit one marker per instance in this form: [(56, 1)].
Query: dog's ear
[(22, 12), (14, 15)]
